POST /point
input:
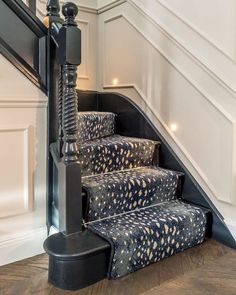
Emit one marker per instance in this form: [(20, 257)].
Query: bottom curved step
[(145, 236), (118, 245)]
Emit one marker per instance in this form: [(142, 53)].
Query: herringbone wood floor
[(206, 269)]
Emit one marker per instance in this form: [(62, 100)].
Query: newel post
[(69, 58)]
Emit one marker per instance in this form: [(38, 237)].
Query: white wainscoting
[(23, 139), (173, 86), (205, 28), (177, 61), (16, 177), (21, 245)]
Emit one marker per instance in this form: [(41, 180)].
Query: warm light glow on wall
[(173, 127), (115, 81)]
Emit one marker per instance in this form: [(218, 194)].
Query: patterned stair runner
[(131, 203), (112, 193), (93, 125), (148, 235), (115, 153)]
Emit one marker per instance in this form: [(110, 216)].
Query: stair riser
[(149, 235), (129, 192), (95, 125), (97, 159)]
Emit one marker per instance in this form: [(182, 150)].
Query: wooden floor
[(206, 269)]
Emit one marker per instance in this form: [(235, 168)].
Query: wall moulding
[(217, 68), (17, 149), (230, 196), (221, 88), (186, 76), (196, 30), (84, 25)]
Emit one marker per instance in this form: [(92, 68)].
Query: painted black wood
[(81, 259), (69, 57), (78, 260), (131, 121), (53, 9), (23, 40), (64, 35), (66, 191)]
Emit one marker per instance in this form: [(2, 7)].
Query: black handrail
[(23, 43), (64, 51)]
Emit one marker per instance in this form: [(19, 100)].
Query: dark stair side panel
[(131, 121), (23, 40)]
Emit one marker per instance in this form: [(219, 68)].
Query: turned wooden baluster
[(65, 50), (70, 103), (60, 108)]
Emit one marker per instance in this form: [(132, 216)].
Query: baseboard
[(22, 245), (232, 227)]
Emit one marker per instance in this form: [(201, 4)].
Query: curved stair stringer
[(132, 121), (128, 114)]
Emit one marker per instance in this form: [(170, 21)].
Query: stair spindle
[(60, 108), (69, 103), (53, 9)]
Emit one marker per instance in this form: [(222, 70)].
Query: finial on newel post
[(69, 57)]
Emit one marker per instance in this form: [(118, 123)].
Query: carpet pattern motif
[(133, 204), (149, 235), (92, 125), (115, 153), (122, 191)]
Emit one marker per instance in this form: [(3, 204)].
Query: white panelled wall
[(23, 145), (23, 117), (175, 59)]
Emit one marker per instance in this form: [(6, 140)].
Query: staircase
[(133, 210), (131, 202), (118, 195)]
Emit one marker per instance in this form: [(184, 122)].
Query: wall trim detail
[(202, 179), (26, 196), (85, 76), (12, 102), (172, 63), (110, 6), (193, 28), (193, 57), (231, 197), (22, 245)]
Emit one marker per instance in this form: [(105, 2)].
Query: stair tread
[(113, 193), (93, 125), (145, 236), (115, 153)]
